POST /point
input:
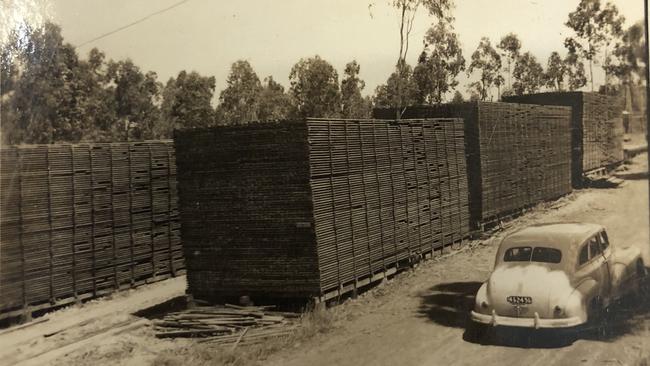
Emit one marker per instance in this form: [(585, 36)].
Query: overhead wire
[(133, 23)]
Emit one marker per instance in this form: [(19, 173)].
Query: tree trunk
[(605, 69), (591, 71), (509, 74), (401, 34)]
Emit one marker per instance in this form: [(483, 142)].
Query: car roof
[(564, 236), (554, 235)]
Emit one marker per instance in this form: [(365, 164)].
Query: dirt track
[(421, 318), (418, 318)]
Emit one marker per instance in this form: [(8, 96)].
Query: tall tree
[(315, 88), (575, 69), (43, 104), (239, 100), (440, 10), (400, 89), (99, 100), (407, 9), (555, 72), (187, 103), (274, 103), (595, 27), (486, 60), (137, 97), (353, 105), (528, 74), (458, 97), (628, 64), (439, 64), (510, 45)]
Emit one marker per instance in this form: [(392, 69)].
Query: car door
[(601, 267), (609, 259)]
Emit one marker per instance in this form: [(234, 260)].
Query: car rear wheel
[(476, 332), (643, 279), (598, 317)]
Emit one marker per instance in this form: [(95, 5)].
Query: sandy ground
[(421, 317), (417, 318), (82, 321)]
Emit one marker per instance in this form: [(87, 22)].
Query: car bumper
[(536, 322)]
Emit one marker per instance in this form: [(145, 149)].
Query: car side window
[(584, 255), (594, 247), (604, 241)]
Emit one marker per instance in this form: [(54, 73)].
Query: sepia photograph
[(324, 182)]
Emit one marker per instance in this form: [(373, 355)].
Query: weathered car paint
[(563, 294), (547, 288)]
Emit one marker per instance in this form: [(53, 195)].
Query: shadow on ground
[(449, 304), (632, 176)]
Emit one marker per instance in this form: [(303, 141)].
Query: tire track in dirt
[(420, 321)]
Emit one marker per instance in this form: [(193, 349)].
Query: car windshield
[(532, 254)]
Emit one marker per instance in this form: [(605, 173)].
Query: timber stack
[(596, 125), (228, 324), (83, 220), (517, 154), (297, 209)]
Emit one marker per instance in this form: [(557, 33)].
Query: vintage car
[(558, 275)]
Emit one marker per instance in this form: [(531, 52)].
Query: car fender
[(626, 256), (581, 299), (624, 270), (481, 296)]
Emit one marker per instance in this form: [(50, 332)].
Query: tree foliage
[(315, 88), (595, 26), (555, 72), (274, 102), (439, 64), (136, 96), (576, 73), (353, 105), (407, 9), (239, 101), (400, 89), (510, 45), (458, 97), (187, 102), (487, 62), (628, 63), (47, 95), (528, 74)]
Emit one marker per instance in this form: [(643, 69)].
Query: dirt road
[(420, 318)]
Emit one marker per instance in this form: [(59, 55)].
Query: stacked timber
[(82, 220), (517, 155), (226, 324), (596, 124), (300, 208)]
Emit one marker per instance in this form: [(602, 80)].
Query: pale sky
[(208, 36)]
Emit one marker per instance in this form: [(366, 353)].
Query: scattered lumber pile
[(597, 128), (226, 324), (517, 155), (81, 220), (296, 209)]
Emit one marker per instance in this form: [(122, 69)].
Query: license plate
[(519, 300)]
